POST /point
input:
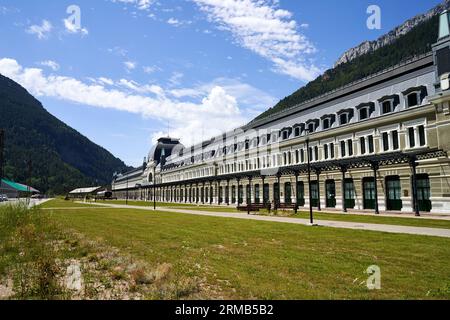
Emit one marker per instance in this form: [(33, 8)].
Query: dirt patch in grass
[(41, 260)]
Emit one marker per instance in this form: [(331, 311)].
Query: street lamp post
[(311, 218), (154, 190), (126, 201)]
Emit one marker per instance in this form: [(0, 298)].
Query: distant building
[(81, 193), (378, 144), (16, 190)]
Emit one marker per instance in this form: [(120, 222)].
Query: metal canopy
[(332, 165)]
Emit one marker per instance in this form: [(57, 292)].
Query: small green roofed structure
[(16, 190)]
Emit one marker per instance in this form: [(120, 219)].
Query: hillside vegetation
[(418, 41), (62, 158)]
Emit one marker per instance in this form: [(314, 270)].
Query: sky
[(125, 72)]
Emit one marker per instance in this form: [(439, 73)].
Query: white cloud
[(106, 81), (173, 21), (245, 94), (150, 69), (51, 64), (74, 29), (177, 23), (140, 4), (266, 30), (174, 80), (217, 111), (41, 31), (130, 65)]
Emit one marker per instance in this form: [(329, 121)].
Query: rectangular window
[(371, 145), (412, 138), (302, 156), (412, 99), (422, 136), (395, 140), (332, 150), (343, 118), (350, 147), (387, 107), (310, 154), (326, 123), (325, 150), (316, 153), (385, 141), (362, 142), (363, 114), (342, 149)]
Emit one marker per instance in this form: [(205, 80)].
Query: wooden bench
[(287, 206), (254, 207)]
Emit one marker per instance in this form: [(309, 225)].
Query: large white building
[(378, 144)]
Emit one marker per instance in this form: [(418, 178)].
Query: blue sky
[(137, 69)]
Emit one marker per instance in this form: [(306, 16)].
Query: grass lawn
[(403, 221), (60, 203), (264, 260)]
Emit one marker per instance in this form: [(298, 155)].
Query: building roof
[(85, 190), (18, 186), (163, 149)]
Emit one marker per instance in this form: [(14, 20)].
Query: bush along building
[(378, 144)]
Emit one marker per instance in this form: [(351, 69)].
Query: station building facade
[(378, 144)]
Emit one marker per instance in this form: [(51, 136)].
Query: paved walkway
[(325, 223)]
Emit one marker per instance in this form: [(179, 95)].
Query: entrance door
[(287, 193), (314, 194), (220, 194), (248, 194), (266, 193), (233, 194), (423, 193), (257, 193), (349, 194), (241, 194), (300, 194), (330, 190), (276, 193), (393, 193), (227, 195), (369, 193)]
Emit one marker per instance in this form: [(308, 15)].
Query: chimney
[(444, 25)]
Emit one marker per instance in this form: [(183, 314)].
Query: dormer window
[(298, 129), (415, 96), (389, 103), (327, 121), (345, 116), (312, 125), (285, 133), (413, 99), (387, 107), (365, 110)]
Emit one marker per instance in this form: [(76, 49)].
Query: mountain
[(392, 36), (403, 46), (62, 159)]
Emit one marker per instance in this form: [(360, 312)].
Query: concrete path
[(325, 223)]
